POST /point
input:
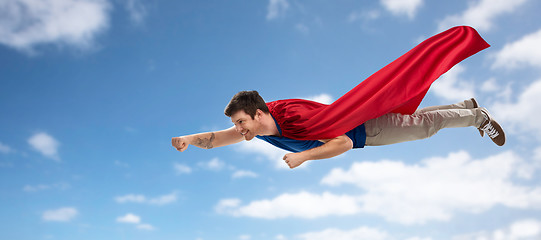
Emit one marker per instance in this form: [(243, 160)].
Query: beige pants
[(395, 128)]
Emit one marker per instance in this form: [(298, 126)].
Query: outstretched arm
[(331, 148), (207, 140)]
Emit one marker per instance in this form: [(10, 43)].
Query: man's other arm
[(331, 148)]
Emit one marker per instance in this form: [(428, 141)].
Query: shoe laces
[(490, 130)]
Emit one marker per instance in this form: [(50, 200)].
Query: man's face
[(245, 125)]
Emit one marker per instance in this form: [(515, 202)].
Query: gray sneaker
[(492, 129)]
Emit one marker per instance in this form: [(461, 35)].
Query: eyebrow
[(237, 120)]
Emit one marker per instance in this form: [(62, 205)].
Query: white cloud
[(225, 205), (129, 218), (24, 24), (521, 53), (439, 186), (164, 199), (4, 148), (526, 229), (402, 7), (182, 169), (354, 234), (138, 198), (481, 14), (131, 198), (65, 214), (300, 205), (214, 164), (45, 144), (451, 87), (276, 8), (244, 174), (490, 85), (523, 115), (146, 226), (433, 190), (321, 98)]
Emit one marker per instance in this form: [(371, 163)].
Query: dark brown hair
[(249, 101)]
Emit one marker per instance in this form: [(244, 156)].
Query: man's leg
[(466, 104), (395, 128)]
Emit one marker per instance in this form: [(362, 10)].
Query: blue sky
[(93, 90)]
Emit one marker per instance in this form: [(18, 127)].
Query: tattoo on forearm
[(205, 142)]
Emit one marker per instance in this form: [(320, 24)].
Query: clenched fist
[(180, 143), (294, 160)]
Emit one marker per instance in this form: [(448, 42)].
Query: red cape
[(398, 87)]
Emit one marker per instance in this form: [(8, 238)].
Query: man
[(252, 118), (380, 110)]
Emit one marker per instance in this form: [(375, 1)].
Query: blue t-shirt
[(357, 135)]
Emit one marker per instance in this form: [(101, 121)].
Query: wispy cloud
[(137, 11), (26, 24), (354, 234), (244, 174), (523, 115), (182, 169), (481, 14), (452, 87), (146, 226), (525, 52), (364, 15), (5, 148), (402, 7), (131, 218), (43, 187), (302, 28), (45, 144), (266, 150), (524, 229), (65, 214), (214, 164), (276, 8), (139, 198)]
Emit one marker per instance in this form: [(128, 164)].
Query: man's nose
[(238, 128)]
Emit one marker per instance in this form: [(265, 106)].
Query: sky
[(92, 91)]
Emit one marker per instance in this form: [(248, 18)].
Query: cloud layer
[(435, 189)]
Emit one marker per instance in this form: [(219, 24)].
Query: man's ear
[(258, 114)]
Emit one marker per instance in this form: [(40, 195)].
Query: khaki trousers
[(395, 128)]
